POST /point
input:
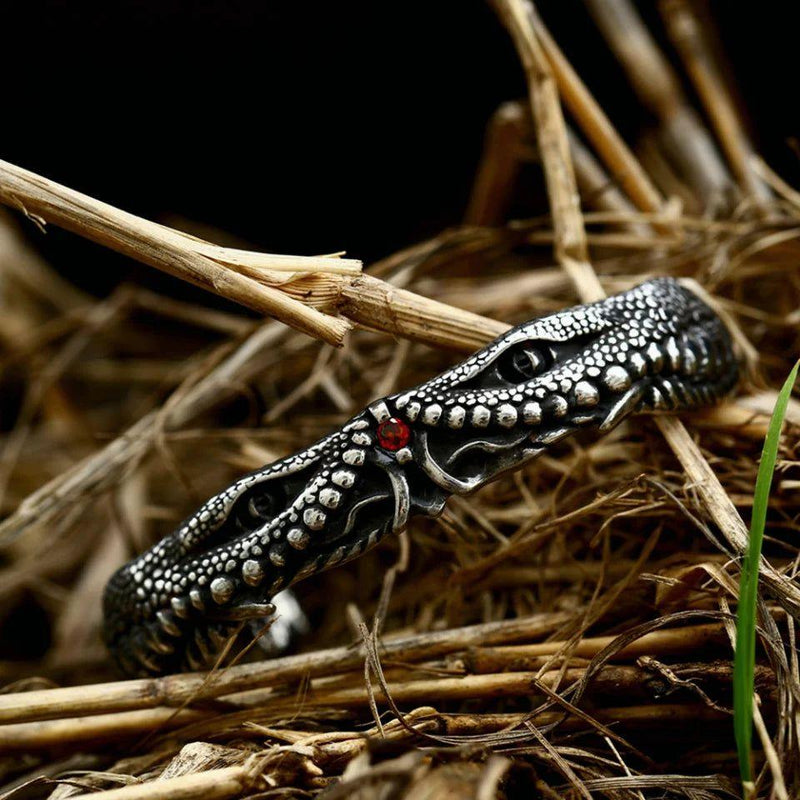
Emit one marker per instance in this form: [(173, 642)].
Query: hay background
[(597, 539)]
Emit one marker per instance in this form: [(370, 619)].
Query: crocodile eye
[(520, 364), (260, 506)]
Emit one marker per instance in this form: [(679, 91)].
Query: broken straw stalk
[(127, 708), (285, 287)]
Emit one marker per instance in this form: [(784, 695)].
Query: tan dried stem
[(503, 152), (244, 276), (257, 280), (687, 36), (551, 133), (622, 165), (615, 682), (175, 690), (659, 90), (214, 784), (509, 142), (379, 305)]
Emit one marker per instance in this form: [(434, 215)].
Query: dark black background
[(309, 127)]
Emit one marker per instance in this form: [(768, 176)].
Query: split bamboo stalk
[(237, 275)]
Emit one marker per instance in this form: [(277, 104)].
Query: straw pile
[(565, 632)]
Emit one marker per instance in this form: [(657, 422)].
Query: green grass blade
[(745, 659)]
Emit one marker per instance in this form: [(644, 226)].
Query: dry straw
[(568, 629)]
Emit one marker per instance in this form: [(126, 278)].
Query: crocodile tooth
[(168, 623), (622, 408)]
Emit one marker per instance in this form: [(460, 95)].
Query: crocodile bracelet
[(654, 348)]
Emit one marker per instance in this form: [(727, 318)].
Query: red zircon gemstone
[(393, 434)]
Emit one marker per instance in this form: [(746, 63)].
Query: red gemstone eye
[(393, 434)]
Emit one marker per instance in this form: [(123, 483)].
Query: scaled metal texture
[(654, 348)]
